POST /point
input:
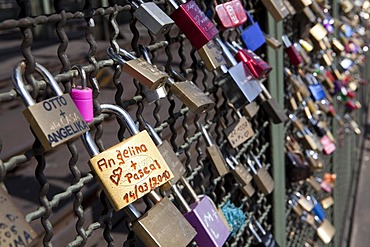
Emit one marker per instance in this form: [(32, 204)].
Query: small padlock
[(204, 217), (309, 14), (82, 96), (313, 159), (346, 6), (289, 7), (327, 202), (241, 175), (252, 35), (306, 45), (190, 94), (325, 231), (211, 56), (259, 68), (151, 16), (306, 205), (251, 109), (292, 52), (317, 208), (272, 41), (261, 176), (314, 184), (296, 208), (55, 120), (276, 8), (191, 20), (214, 154), (328, 145), (306, 134), (316, 88), (338, 47), (230, 14), (317, 9), (264, 238), (130, 169), (146, 73), (237, 82)]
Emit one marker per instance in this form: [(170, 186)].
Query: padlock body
[(55, 121), (315, 185), (255, 64), (211, 56), (251, 109), (217, 160), (264, 181), (294, 56), (163, 226), (328, 145), (146, 73), (299, 5), (327, 202), (239, 132), (317, 91), (83, 99), (326, 231), (242, 175), (191, 95), (196, 26), (230, 14), (274, 111), (152, 96), (206, 220), (248, 190), (319, 211), (305, 204), (276, 8), (153, 18)]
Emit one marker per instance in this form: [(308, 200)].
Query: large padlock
[(151, 16), (271, 107), (252, 35), (293, 54), (203, 215), (189, 94), (211, 55), (230, 14), (264, 238), (146, 73), (237, 82), (242, 176), (191, 20), (214, 154), (130, 169), (259, 68), (276, 8), (261, 176), (55, 120)]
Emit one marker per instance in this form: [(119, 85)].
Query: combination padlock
[(151, 16), (214, 154), (82, 96), (237, 82), (264, 238), (259, 68), (211, 56), (252, 35), (261, 176), (191, 20), (55, 120), (242, 176), (204, 216), (146, 73), (130, 169), (294, 56), (230, 14)]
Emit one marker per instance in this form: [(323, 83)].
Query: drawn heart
[(116, 177)]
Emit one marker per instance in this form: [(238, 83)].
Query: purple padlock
[(212, 229), (82, 96)]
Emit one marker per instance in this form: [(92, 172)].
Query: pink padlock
[(82, 96)]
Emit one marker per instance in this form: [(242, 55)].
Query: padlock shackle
[(181, 200), (226, 52), (254, 232), (257, 161), (174, 4), (190, 189), (156, 138), (259, 227), (206, 136), (249, 162), (230, 163), (286, 41), (90, 144), (231, 47), (20, 87), (237, 45), (123, 115), (118, 57), (145, 53), (82, 73)]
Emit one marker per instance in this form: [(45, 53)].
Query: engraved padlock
[(261, 176), (237, 82), (230, 14), (242, 176), (191, 20), (189, 94), (263, 237), (214, 154), (259, 68), (151, 16), (151, 96), (82, 96), (293, 54), (211, 56), (276, 8), (130, 169), (204, 216), (146, 73), (55, 120)]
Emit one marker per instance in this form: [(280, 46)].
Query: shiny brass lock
[(318, 32), (242, 176), (149, 75), (251, 109), (190, 94), (55, 120), (214, 154), (211, 56), (306, 205), (272, 42), (327, 202), (261, 176), (325, 231), (130, 169)]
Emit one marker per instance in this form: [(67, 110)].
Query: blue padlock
[(252, 36), (316, 88), (317, 208)]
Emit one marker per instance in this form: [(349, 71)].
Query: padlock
[(230, 14), (264, 238), (191, 20), (292, 52), (151, 16), (316, 124), (214, 154), (82, 96), (289, 7), (317, 208), (173, 162), (327, 202), (338, 47), (299, 5), (328, 145), (55, 120), (211, 55), (306, 58), (251, 109), (151, 96), (261, 176), (190, 94), (313, 160), (295, 206), (252, 35), (325, 231), (307, 139), (241, 175), (146, 73), (307, 46), (346, 6), (203, 215), (297, 168), (271, 107), (237, 82), (317, 9), (259, 68), (309, 14), (314, 184), (276, 8), (272, 41), (306, 205), (130, 169)]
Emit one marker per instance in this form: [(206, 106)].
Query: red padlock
[(292, 52), (230, 14)]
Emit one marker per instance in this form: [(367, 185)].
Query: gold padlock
[(211, 56), (276, 8), (318, 32), (272, 41)]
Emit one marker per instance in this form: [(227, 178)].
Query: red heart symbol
[(116, 177)]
